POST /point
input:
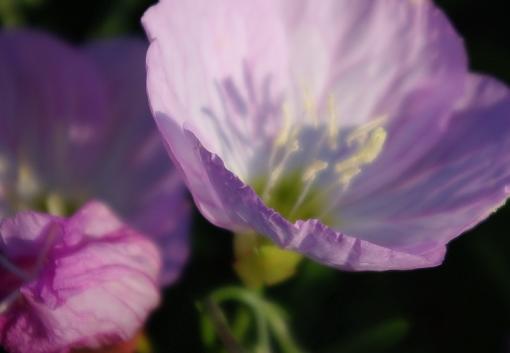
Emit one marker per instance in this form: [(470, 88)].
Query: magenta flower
[(349, 131), (74, 128), (80, 282)]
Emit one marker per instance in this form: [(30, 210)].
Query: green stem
[(269, 317), (241, 323), (280, 330), (249, 299), (221, 327)]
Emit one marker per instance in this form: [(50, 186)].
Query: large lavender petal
[(148, 190), (96, 286), (456, 184), (351, 49), (371, 55), (183, 104), (398, 60)]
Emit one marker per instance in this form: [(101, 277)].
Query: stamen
[(309, 178), (332, 123), (276, 174), (370, 148), (361, 147), (55, 205), (27, 184), (311, 173), (285, 133), (310, 108), (361, 133), (286, 136)]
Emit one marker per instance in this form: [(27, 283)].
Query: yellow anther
[(294, 147), (284, 134), (373, 146), (366, 143), (279, 168), (27, 184), (370, 146), (369, 150), (55, 205), (314, 169), (310, 107), (347, 175), (361, 133), (332, 122)]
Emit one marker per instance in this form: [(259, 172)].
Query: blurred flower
[(86, 281), (75, 129), (349, 131), (75, 126)]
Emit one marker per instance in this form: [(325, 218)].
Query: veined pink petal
[(95, 281)]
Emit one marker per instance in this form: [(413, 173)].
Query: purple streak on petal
[(239, 45), (95, 287)]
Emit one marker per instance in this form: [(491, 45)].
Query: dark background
[(462, 306)]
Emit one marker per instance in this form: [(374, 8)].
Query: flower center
[(303, 170), (25, 190), (312, 162)]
